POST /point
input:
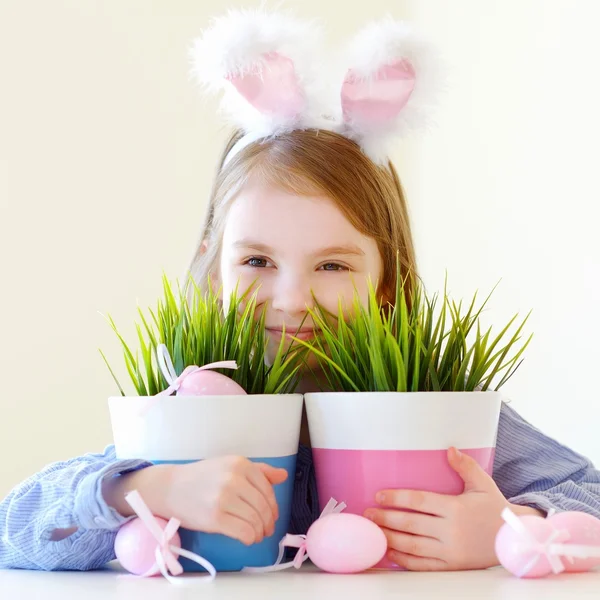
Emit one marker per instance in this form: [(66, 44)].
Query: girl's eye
[(257, 262), (333, 267)]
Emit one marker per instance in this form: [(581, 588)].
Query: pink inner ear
[(273, 88), (379, 98)]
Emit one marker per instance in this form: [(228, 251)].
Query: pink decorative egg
[(510, 552), (583, 530), (135, 547), (209, 383), (345, 543)]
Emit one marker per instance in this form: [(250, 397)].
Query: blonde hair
[(308, 162)]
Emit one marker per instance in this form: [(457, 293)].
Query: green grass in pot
[(198, 330), (411, 346)]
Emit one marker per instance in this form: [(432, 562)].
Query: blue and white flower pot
[(181, 429)]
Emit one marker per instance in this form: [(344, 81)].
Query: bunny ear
[(264, 64), (389, 88), (272, 87), (378, 100)]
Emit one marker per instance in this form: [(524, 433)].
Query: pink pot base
[(355, 476)]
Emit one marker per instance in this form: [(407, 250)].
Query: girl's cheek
[(253, 284), (330, 298), (235, 277)]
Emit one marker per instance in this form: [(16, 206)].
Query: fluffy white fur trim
[(382, 43), (233, 45)]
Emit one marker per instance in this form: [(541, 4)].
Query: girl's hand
[(445, 532), (228, 495)]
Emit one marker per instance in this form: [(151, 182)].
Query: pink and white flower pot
[(369, 441)]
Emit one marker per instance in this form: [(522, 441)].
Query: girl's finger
[(439, 505), (236, 528), (416, 563), (240, 509), (415, 545), (407, 522), (258, 476), (253, 497)]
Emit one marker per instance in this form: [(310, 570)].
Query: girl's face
[(294, 246)]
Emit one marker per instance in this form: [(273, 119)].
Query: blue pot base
[(228, 554)]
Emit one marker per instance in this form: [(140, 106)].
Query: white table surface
[(308, 583)]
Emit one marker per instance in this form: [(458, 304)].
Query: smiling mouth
[(303, 334)]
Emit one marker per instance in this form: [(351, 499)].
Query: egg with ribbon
[(198, 381), (335, 542), (193, 381), (520, 545), (584, 532), (532, 546), (149, 545), (135, 546), (345, 543)]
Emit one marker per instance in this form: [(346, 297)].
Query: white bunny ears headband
[(277, 78)]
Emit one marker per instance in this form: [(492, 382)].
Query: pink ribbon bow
[(165, 553), (295, 541)]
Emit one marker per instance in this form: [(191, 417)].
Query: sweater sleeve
[(64, 495), (532, 469)]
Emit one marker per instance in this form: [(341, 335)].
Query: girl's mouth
[(302, 334)]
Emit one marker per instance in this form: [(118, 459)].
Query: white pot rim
[(197, 427), (418, 392), (403, 420), (230, 397)]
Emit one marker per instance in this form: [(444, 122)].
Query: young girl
[(306, 210)]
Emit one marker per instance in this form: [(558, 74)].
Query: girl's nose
[(292, 295)]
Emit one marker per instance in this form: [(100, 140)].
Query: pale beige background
[(106, 157)]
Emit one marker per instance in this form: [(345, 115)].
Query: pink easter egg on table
[(514, 556), (209, 383), (345, 543), (135, 546), (584, 530)]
